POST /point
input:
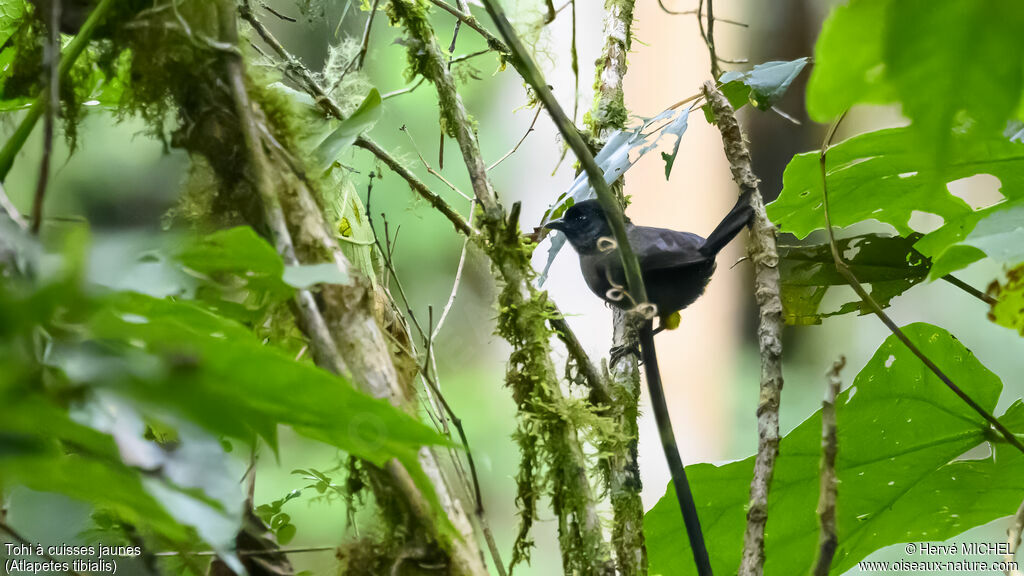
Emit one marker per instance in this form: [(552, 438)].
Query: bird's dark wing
[(661, 248)]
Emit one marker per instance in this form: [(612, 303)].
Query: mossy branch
[(621, 468), (527, 68), (522, 318)]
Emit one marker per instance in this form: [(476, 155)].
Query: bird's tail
[(740, 216)]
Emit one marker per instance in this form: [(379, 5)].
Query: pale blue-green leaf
[(614, 160), (676, 128), (345, 134), (1000, 235), (769, 81)]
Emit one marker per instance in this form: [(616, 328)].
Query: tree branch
[(325, 102), (621, 469), (347, 310), (764, 254), (613, 212), (469, 20), (827, 538), (579, 522)]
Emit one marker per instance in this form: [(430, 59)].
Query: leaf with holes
[(888, 263), (901, 436), (876, 176)]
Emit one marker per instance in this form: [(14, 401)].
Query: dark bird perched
[(676, 266)]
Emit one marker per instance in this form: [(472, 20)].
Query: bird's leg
[(646, 311), (619, 352)]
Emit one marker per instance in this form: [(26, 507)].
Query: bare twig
[(416, 184), (270, 552), (667, 10), (764, 254), (590, 372), (364, 46), (827, 537), (273, 12), (455, 284), (464, 57), (407, 90), (430, 170), (1013, 540), (575, 63), (519, 143), (469, 20), (709, 35), (851, 279)]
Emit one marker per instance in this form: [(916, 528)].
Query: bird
[(676, 266)]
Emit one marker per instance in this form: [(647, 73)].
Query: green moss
[(424, 57)]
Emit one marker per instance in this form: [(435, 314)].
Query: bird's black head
[(583, 224)]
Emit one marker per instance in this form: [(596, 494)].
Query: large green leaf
[(876, 176), (43, 449), (953, 57), (222, 378), (239, 253), (11, 13), (952, 65), (937, 59), (901, 432), (888, 263), (848, 65)]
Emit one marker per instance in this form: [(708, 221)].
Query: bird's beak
[(556, 225)]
